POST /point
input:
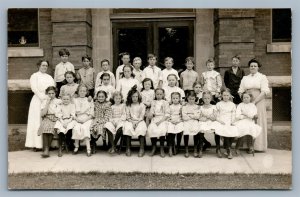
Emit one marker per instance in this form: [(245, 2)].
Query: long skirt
[(155, 130), (61, 129), (134, 131), (47, 124), (191, 127)]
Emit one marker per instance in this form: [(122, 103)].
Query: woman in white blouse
[(39, 82), (257, 84)]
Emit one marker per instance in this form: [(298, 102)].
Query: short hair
[(207, 93), (210, 60), (104, 75), (50, 88), (137, 59), (103, 92), (104, 60), (172, 75), (39, 63), (123, 54), (189, 59), (237, 57), (251, 96), (86, 57), (157, 89), (115, 94), (175, 93), (66, 94), (190, 93), (254, 61), (151, 55), (196, 83), (83, 86), (145, 80), (169, 58), (64, 51), (70, 73)]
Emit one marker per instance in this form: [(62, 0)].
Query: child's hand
[(90, 98), (65, 125)]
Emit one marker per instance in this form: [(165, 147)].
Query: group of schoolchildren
[(153, 103)]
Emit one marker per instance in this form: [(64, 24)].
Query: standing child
[(169, 62), (103, 114), (86, 75), (106, 86), (135, 125), (62, 68), (172, 81), (116, 122), (211, 80), (175, 121), (246, 112), (105, 69), (225, 117), (189, 76), (159, 114), (233, 77), (65, 123), (138, 73), (125, 57), (83, 118), (148, 96), (190, 116), (127, 82), (71, 87), (152, 71), (49, 111), (207, 122)]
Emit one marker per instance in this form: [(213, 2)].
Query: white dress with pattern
[(65, 113), (118, 118)]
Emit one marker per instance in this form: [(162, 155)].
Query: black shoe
[(229, 154), (219, 154), (153, 151), (206, 146), (75, 151), (128, 152), (200, 153), (162, 152), (141, 152)]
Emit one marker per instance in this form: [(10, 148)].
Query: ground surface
[(95, 180)]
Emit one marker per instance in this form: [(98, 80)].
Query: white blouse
[(249, 110), (124, 85), (39, 82), (169, 90), (256, 81)]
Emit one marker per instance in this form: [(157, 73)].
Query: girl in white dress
[(71, 87), (127, 82), (49, 113), (39, 81), (171, 87), (207, 121), (135, 125), (175, 121), (83, 118), (190, 116), (246, 112), (225, 117), (116, 122), (105, 86), (66, 122), (148, 95), (159, 114)]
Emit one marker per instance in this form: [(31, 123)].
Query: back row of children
[(93, 119)]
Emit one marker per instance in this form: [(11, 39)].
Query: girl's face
[(175, 99), (69, 78), (210, 66), (191, 99), (43, 67), (82, 92), (105, 66), (253, 68), (106, 80), (118, 99), (86, 62), (147, 85), (51, 94), (101, 97), (246, 98), (235, 61), (135, 98), (66, 99), (207, 98), (172, 81), (64, 58), (159, 94), (137, 64), (197, 88), (152, 61), (125, 59), (127, 72), (226, 96), (189, 65), (169, 64)]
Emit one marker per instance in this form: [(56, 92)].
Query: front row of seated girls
[(88, 120)]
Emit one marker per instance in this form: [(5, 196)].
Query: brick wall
[(27, 65)]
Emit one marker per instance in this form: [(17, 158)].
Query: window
[(23, 28), (281, 25), (282, 104)]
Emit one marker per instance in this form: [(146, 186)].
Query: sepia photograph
[(149, 98)]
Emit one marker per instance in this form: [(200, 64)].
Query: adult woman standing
[(257, 84), (39, 82)]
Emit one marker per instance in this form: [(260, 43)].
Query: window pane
[(282, 104), (281, 28), (23, 27)]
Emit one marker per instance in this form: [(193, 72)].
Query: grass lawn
[(95, 180)]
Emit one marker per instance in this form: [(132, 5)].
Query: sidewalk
[(271, 162)]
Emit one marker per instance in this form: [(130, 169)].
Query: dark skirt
[(47, 124)]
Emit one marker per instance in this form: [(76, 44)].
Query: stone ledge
[(279, 48), (280, 81), (18, 84), (25, 52)]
